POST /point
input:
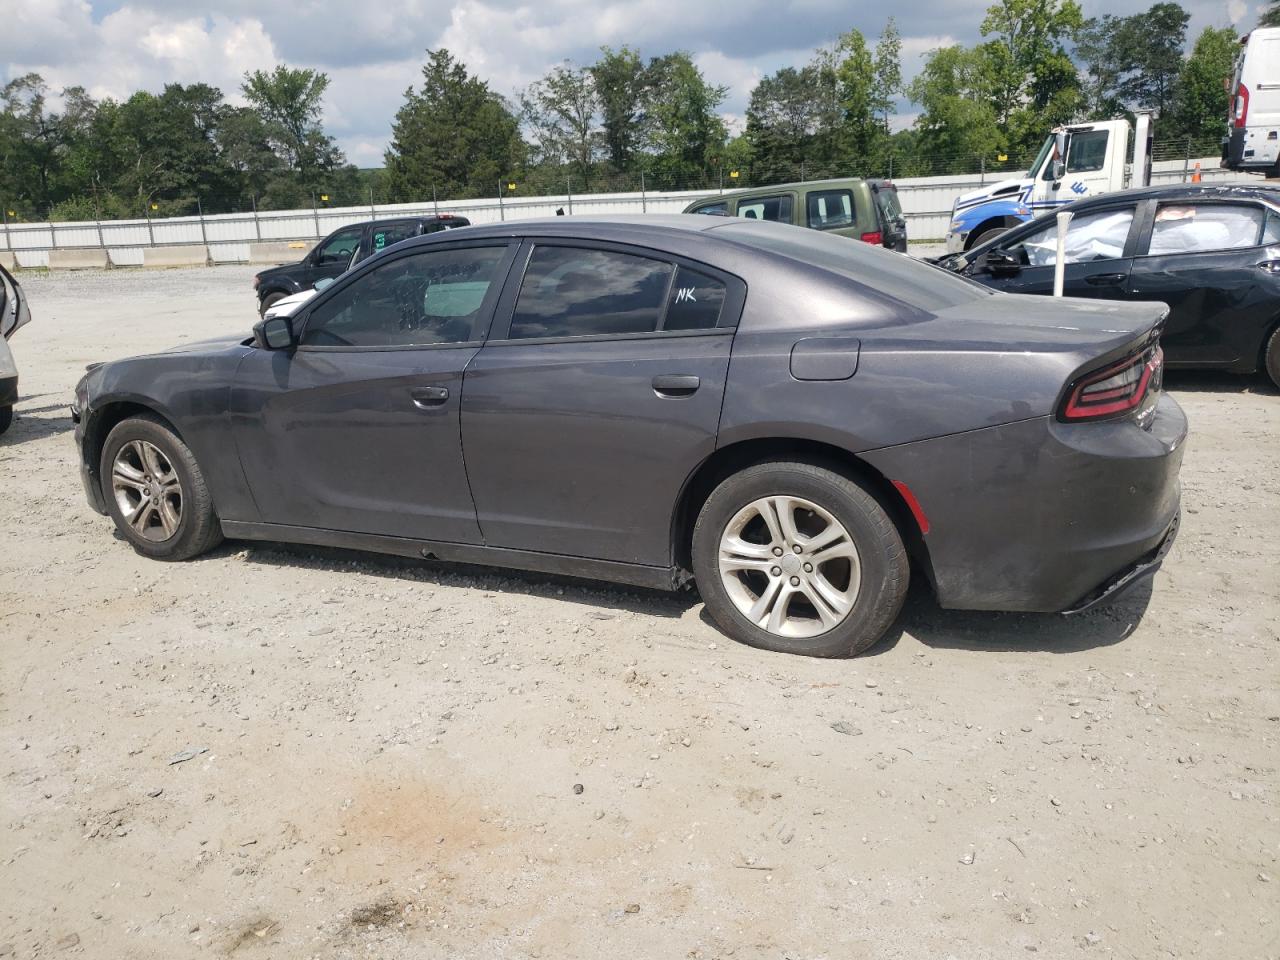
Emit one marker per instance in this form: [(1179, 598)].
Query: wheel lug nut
[(798, 548), (777, 551), (795, 581), (808, 568), (776, 572)]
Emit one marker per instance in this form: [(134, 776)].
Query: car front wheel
[(1271, 358), (798, 558), (155, 491), (269, 301)]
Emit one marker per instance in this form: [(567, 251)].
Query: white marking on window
[(686, 293)]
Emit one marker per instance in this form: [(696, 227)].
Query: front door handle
[(1106, 279), (424, 397), (675, 385), (1270, 266)]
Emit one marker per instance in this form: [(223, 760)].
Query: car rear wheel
[(155, 492), (6, 418), (269, 301), (799, 559), (1271, 358)]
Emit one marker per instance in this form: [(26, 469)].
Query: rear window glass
[(830, 209), (695, 303), (777, 209), (1193, 228), (579, 292), (887, 201), (893, 274)]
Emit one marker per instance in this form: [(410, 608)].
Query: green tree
[(454, 135), (1200, 106), (561, 111), (621, 83), (1133, 63), (1271, 16), (289, 101), (1034, 84), (855, 85), (784, 118), (958, 121), (886, 74), (685, 133)]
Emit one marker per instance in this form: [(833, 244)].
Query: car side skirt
[(632, 574)]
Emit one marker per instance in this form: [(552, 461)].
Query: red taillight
[(1241, 111), (873, 237), (1118, 388)]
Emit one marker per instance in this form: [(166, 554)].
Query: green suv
[(863, 209)]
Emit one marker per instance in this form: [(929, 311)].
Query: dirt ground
[(281, 752)]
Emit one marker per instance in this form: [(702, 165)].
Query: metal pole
[(257, 224), (891, 166), (315, 215), (568, 192), (644, 202), (721, 172), (434, 202), (4, 212), (151, 234), (501, 213), (802, 176), (1186, 163), (983, 165), (1060, 262), (204, 237), (373, 213)]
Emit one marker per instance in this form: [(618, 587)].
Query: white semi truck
[(1076, 161), (1253, 123)]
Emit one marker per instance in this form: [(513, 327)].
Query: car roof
[(1182, 191)]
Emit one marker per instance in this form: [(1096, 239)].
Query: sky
[(373, 51)]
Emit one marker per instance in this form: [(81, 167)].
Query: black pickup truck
[(343, 249)]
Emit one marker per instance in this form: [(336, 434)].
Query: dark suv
[(343, 249), (852, 207)]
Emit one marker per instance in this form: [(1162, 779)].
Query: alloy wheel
[(789, 566), (147, 490)]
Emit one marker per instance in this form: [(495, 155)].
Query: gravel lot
[(387, 753)]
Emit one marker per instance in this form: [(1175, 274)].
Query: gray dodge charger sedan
[(793, 421)]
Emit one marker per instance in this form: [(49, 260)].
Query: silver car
[(13, 314)]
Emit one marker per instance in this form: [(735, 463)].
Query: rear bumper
[(1117, 586), (1045, 516)]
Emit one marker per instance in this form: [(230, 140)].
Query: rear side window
[(579, 292), (1197, 228), (385, 236), (830, 209), (695, 303), (1087, 151), (1271, 233), (432, 297), (720, 209), (777, 209)]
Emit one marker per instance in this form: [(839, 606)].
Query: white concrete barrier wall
[(926, 202), (187, 255)]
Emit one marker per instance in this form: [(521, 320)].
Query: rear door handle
[(1106, 279), (675, 385), (424, 397), (1271, 266)]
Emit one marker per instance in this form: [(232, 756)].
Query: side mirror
[(1059, 170), (1004, 263), (274, 333)]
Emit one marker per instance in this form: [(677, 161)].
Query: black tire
[(269, 301), (6, 418), (1271, 356), (987, 235), (198, 529), (885, 570)]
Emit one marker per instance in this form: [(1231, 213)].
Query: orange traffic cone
[(1195, 174)]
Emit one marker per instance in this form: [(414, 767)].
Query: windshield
[(1044, 151)]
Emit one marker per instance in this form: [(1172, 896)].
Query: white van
[(1253, 121)]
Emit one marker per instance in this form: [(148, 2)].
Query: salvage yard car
[(13, 314), (792, 421), (865, 210), (340, 251), (1211, 253)]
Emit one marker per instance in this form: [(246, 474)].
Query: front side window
[(777, 209), (830, 209), (580, 292), (1092, 236), (1198, 228), (1087, 152), (426, 298), (339, 247)]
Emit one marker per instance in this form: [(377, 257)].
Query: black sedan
[(1211, 253), (795, 421)]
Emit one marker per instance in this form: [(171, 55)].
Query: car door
[(1208, 261), (357, 428), (1100, 244), (595, 397), (333, 255)]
